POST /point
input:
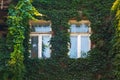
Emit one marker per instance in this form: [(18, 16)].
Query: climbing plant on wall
[(59, 12), (98, 12), (18, 20), (102, 34), (116, 40)]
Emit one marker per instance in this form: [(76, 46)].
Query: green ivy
[(4, 57), (98, 12), (18, 20), (98, 66), (52, 69), (116, 40), (59, 14)]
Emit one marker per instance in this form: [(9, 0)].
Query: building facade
[(41, 34)]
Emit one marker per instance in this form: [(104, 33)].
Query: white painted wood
[(79, 46), (40, 46)]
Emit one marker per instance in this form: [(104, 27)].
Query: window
[(40, 40), (41, 34), (80, 41)]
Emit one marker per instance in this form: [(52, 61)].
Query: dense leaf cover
[(116, 40), (98, 12), (18, 19), (97, 66)]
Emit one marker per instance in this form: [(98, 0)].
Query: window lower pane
[(45, 46), (84, 45), (73, 47), (34, 46)]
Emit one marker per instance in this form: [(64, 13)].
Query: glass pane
[(80, 28), (84, 45), (73, 28), (34, 46), (45, 46), (73, 49), (84, 28), (40, 28)]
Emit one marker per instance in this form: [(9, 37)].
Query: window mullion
[(30, 48), (79, 46), (89, 43), (39, 46)]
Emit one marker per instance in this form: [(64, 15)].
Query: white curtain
[(73, 28), (73, 47), (80, 28), (83, 28), (38, 28), (84, 45)]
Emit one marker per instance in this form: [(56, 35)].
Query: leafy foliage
[(59, 16), (98, 12), (98, 66), (4, 58), (18, 19), (116, 40), (62, 69)]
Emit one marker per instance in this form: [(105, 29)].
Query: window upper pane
[(40, 28), (79, 28)]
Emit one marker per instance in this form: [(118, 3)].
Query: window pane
[(34, 46), (45, 47), (73, 28), (84, 28), (84, 45), (40, 28), (73, 49), (80, 28)]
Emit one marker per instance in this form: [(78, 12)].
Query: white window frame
[(39, 42), (79, 42), (79, 34), (40, 34)]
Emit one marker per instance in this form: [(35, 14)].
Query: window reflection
[(34, 46), (46, 47)]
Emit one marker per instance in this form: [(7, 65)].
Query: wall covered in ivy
[(116, 39), (97, 66), (12, 65), (98, 12)]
